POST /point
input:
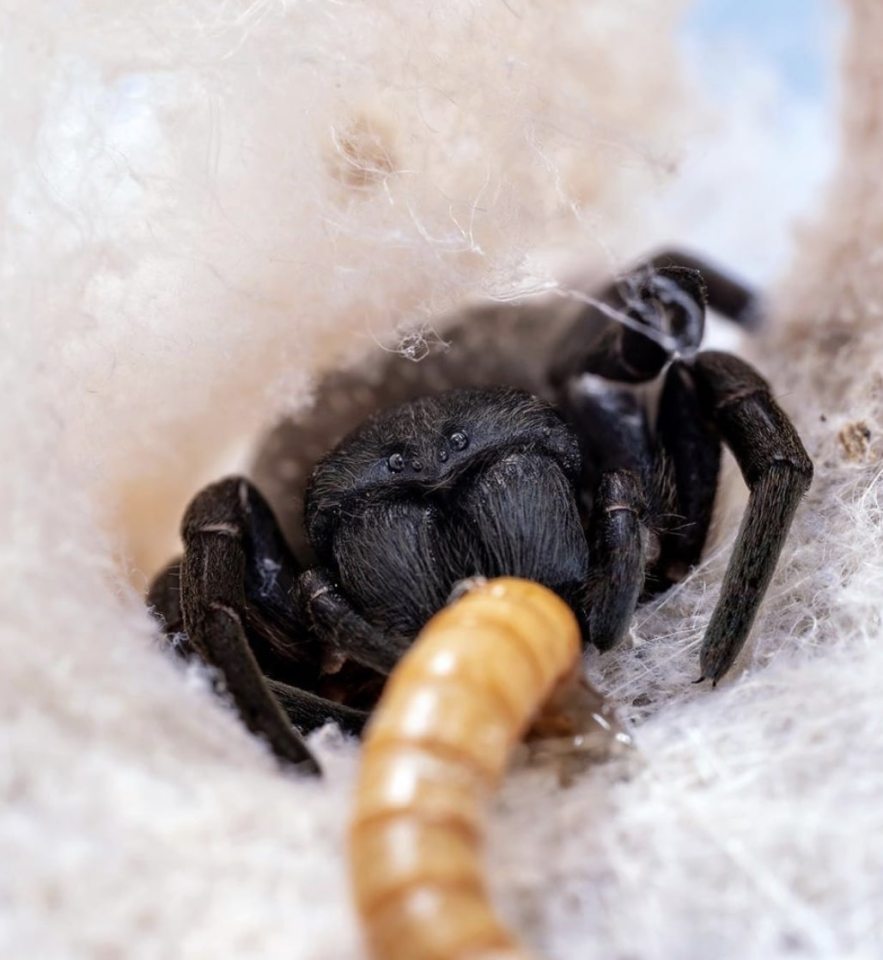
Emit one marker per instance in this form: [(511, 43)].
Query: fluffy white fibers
[(207, 204), (752, 829)]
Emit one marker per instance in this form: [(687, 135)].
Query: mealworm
[(435, 750)]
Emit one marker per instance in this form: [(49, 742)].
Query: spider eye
[(396, 463), (459, 440)]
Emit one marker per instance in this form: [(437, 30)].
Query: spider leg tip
[(308, 767)]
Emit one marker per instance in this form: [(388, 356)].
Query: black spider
[(559, 474)]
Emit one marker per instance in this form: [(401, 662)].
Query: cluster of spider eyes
[(458, 440)]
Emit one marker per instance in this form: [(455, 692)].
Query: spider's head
[(445, 487), (426, 446)]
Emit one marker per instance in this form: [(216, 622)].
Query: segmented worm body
[(437, 747)]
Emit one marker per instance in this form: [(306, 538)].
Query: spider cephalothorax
[(465, 483), (546, 465)]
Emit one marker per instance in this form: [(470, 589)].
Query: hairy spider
[(526, 448)]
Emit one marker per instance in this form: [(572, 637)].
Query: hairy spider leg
[(646, 318), (617, 456), (231, 593), (672, 475), (306, 710), (778, 472), (164, 602), (725, 294), (617, 535), (689, 456), (342, 628)]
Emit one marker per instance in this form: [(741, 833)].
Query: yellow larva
[(435, 750)]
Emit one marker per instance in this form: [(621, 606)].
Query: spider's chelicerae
[(524, 448)]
